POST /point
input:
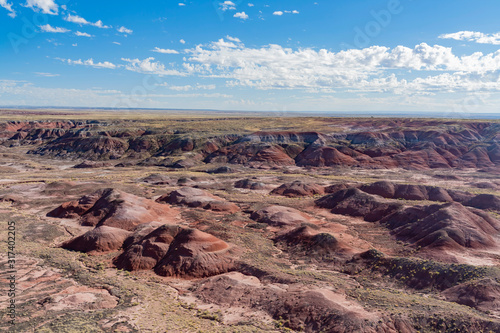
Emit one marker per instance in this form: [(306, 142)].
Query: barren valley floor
[(217, 222)]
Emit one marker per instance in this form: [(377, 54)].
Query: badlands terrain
[(225, 222)]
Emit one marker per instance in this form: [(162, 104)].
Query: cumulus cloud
[(181, 4), (83, 34), (124, 30), (46, 6), (80, 20), (278, 13), (90, 62), (474, 36), (164, 51), (227, 5), (241, 15), (182, 41), (49, 28), (375, 68), (149, 66), (8, 6), (251, 5)]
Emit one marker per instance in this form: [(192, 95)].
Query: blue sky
[(281, 55)]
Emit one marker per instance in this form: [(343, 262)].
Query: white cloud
[(125, 30), (164, 51), (49, 28), (46, 74), (8, 6), (80, 20), (46, 6), (182, 41), (280, 12), (251, 5), (149, 66), (189, 87), (241, 15), (117, 43), (375, 68), (227, 5), (473, 36), (181, 4), (83, 34), (233, 39), (75, 44), (90, 62)]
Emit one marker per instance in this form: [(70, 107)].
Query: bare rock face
[(144, 251), (449, 225), (100, 239), (193, 197), (354, 202), (483, 295), (298, 189), (280, 216), (113, 208), (194, 253)]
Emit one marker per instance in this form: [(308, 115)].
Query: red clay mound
[(100, 239), (354, 202), (337, 187), (193, 197), (305, 240), (145, 252), (450, 225), (113, 208), (194, 253), (485, 201), (157, 179), (280, 216), (298, 188), (483, 295), (250, 184), (408, 192)]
